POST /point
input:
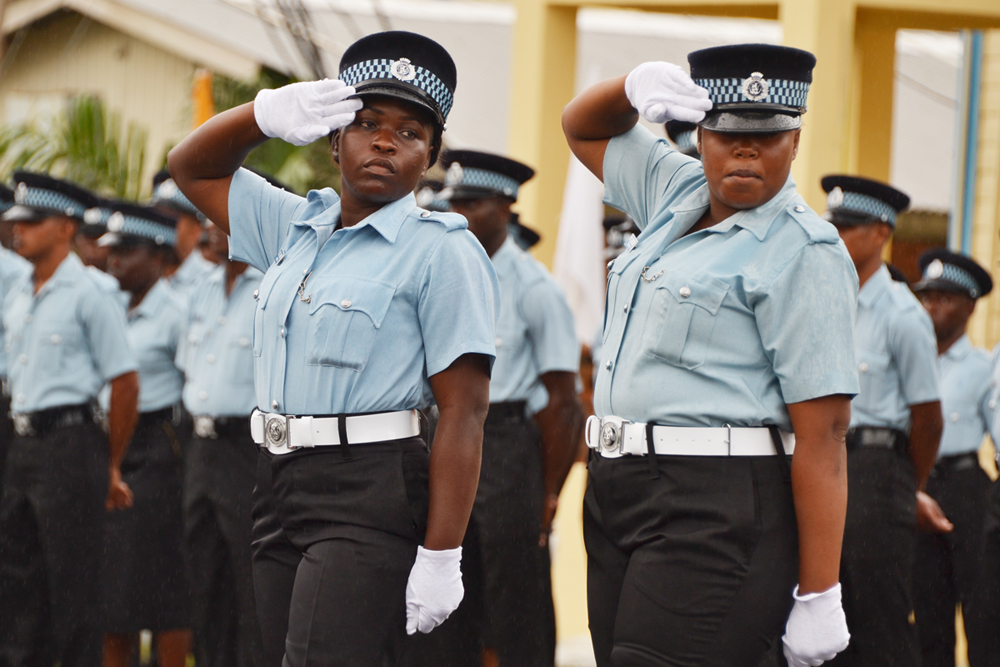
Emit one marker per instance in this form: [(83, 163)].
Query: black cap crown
[(852, 200), (949, 271), (754, 87), (475, 174), (405, 65), (41, 195)]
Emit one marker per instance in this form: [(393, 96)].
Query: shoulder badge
[(755, 87)]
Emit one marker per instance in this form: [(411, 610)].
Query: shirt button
[(684, 291), (799, 208), (607, 365), (203, 395), (20, 398), (346, 303), (863, 367), (244, 342), (274, 405), (282, 332), (425, 214), (954, 417), (210, 358), (55, 339), (222, 320), (625, 308), (23, 359), (256, 293), (498, 342)]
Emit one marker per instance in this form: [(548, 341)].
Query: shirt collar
[(757, 220), (874, 286), (960, 349), (507, 251), (152, 303), (387, 221), (192, 265), (68, 271)]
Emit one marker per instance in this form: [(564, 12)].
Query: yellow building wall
[(66, 54)]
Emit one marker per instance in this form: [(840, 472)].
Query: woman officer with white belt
[(728, 326), (370, 308)]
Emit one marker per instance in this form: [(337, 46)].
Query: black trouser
[(51, 529), (219, 478), (947, 565), (507, 576), (334, 538), (693, 567), (876, 566), (983, 623), (6, 432)]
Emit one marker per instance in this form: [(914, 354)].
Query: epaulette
[(816, 228), (451, 221)]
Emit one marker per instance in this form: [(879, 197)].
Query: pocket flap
[(707, 293), (370, 297)]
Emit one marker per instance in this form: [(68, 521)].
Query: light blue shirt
[(215, 353), (13, 267), (965, 397), (726, 325), (386, 303), (535, 332), (154, 331), (192, 269), (65, 342), (896, 354)]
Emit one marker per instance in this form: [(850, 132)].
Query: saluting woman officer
[(370, 309), (728, 327)]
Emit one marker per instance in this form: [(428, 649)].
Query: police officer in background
[(531, 434), (66, 338), (216, 356), (145, 584), (947, 565), (684, 136), (895, 431), (190, 227)]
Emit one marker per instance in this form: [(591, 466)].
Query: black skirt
[(144, 582)]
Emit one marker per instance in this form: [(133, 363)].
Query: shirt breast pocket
[(344, 319), (681, 319), (239, 362), (874, 381), (261, 296)]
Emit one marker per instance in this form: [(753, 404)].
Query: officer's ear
[(795, 145), (698, 143), (335, 146)]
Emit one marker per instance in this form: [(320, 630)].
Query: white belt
[(614, 437), (282, 434)]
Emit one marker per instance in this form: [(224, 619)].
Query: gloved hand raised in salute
[(301, 113), (662, 91)]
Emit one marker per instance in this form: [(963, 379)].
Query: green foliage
[(86, 144)]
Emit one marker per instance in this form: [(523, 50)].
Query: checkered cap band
[(168, 193), (48, 200), (779, 91), (425, 80), (483, 178), (5, 206), (959, 276), (147, 229), (868, 206)]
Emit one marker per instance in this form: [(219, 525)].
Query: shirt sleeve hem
[(799, 394), (435, 366)]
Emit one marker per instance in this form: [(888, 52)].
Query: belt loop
[(342, 431), (654, 467)]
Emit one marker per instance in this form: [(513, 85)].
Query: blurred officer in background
[(216, 356), (947, 565), (190, 227), (65, 333), (895, 431), (531, 434), (684, 136), (145, 585)]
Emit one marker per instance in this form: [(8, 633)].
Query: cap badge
[(835, 199), (116, 222), (167, 189), (755, 87), (403, 69), (92, 216), (935, 269), (455, 174), (20, 193)]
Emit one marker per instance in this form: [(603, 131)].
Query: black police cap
[(404, 65), (525, 237), (134, 224), (683, 134), (6, 198), (40, 195), (852, 200), (948, 271), (475, 174), (428, 195), (753, 87)]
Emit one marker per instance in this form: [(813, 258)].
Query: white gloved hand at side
[(816, 630), (434, 589), (662, 91), (301, 113)]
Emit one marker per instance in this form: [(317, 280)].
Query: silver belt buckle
[(612, 435), (276, 431), (204, 427), (22, 424)]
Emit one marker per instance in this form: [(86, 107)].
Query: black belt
[(956, 463), (227, 428), (156, 416), (39, 423), (507, 411), (878, 437)]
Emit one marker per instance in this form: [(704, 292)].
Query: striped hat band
[(130, 225), (48, 200), (938, 270), (756, 88), (169, 194), (401, 70), (470, 177), (860, 204)]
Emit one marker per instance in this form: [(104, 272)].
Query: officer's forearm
[(462, 393), (123, 413), (925, 438), (819, 487), (561, 424)]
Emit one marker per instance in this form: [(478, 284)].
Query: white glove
[(816, 630), (434, 589), (662, 91), (301, 113)]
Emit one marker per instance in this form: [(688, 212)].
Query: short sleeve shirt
[(535, 331), (13, 267), (215, 352), (726, 325), (965, 397), (356, 320), (154, 330), (896, 357), (191, 270), (66, 341)]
